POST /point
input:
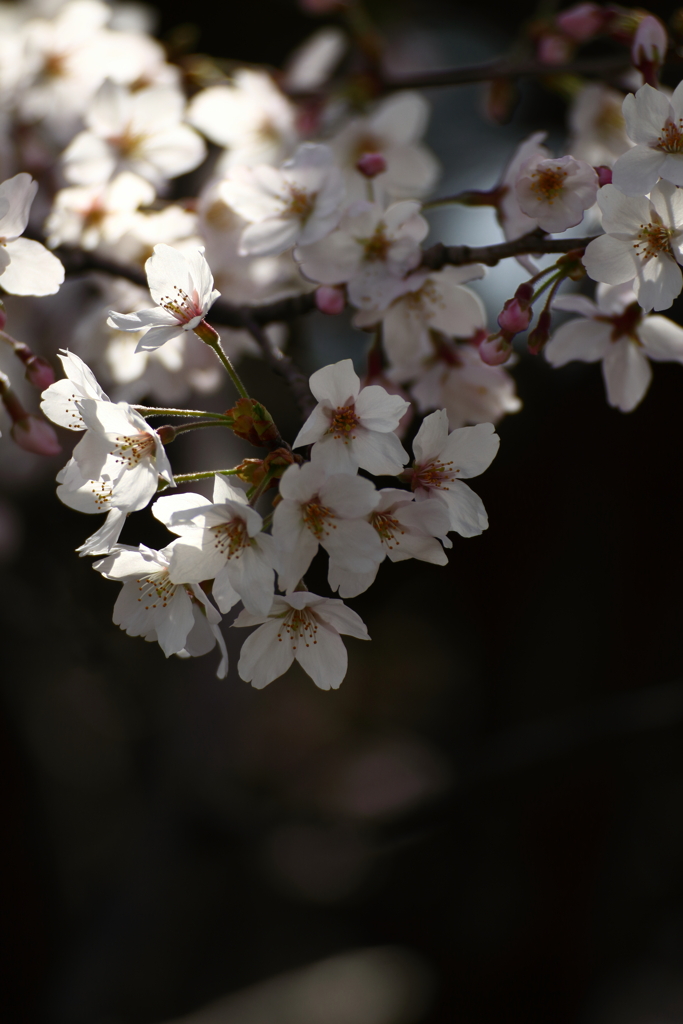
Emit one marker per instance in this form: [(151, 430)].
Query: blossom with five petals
[(181, 284), (328, 510), (179, 616), (643, 243), (614, 330), (221, 541), (353, 427), (443, 461), (655, 123), (555, 192), (304, 627)]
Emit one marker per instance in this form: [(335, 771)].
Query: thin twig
[(280, 363), (534, 244)]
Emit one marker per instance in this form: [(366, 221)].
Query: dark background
[(495, 790)]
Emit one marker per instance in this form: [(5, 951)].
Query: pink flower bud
[(540, 334), (166, 433), (34, 435), (495, 350), (554, 49), (650, 42), (330, 300), (604, 175), (580, 22), (371, 164), (39, 373), (524, 294), (512, 319)]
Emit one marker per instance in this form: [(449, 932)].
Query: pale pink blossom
[(655, 124), (555, 192)]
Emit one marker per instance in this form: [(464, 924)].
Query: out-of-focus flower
[(301, 202), (555, 192), (26, 267), (655, 124), (598, 128), (91, 215), (614, 330)]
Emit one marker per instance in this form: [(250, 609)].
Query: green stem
[(183, 478), (258, 491), (184, 427), (206, 333), (147, 410), (546, 284)]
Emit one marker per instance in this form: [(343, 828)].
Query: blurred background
[(483, 824)]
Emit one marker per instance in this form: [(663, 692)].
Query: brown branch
[(597, 66), (535, 243)]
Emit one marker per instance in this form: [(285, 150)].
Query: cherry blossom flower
[(614, 330), (655, 123), (443, 461), (643, 243), (26, 267), (92, 215), (371, 251), (118, 462), (467, 388), (221, 541), (328, 510), (250, 117), (394, 130), (598, 128), (301, 202), (432, 301), (407, 529), (179, 617), (137, 131), (351, 426), (555, 192), (182, 286), (60, 402), (304, 627)]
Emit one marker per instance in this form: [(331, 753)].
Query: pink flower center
[(549, 183), (433, 475), (376, 247), (299, 624), (131, 449), (387, 527), (301, 203), (183, 308)]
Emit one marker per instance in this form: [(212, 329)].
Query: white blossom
[(554, 192), (598, 129), (304, 627), (26, 267), (468, 389), (301, 202), (351, 426), (655, 124), (182, 286), (615, 331), (371, 252), (137, 131), (443, 461), (407, 529), (250, 117), (394, 130), (93, 215), (328, 510), (179, 617), (643, 243), (221, 541), (60, 402)]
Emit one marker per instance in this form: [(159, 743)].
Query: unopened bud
[(330, 300), (540, 334), (604, 175), (39, 373), (371, 164), (166, 433), (650, 44), (513, 318), (553, 49), (34, 435), (495, 350), (525, 294), (581, 22)]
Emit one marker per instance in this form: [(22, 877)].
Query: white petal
[(586, 340), (627, 375), (323, 658), (471, 449), (662, 339), (637, 170), (18, 194), (431, 437), (32, 269), (378, 410), (335, 384), (263, 656), (610, 260)]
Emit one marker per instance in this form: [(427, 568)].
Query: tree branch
[(535, 243), (280, 363)]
